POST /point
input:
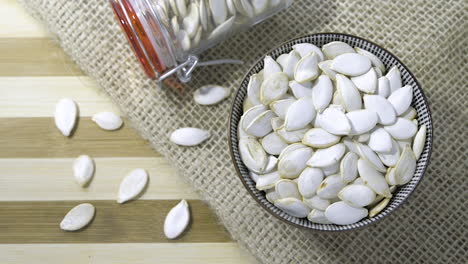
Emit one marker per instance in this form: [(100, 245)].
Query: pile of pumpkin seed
[(208, 20), (328, 134)]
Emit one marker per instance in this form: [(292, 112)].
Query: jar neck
[(149, 38)]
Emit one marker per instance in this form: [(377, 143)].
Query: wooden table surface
[(36, 183)]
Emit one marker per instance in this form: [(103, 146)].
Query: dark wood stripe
[(34, 57), (39, 138), (134, 222)]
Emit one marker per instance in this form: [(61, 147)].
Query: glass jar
[(167, 35)]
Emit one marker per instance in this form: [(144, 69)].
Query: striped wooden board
[(36, 184)]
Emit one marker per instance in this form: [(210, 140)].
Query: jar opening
[(144, 34)]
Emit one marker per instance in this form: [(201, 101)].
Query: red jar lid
[(138, 37)]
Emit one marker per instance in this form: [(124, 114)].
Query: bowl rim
[(239, 174)]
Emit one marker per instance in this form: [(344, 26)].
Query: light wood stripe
[(34, 57), (37, 96), (52, 179), (148, 253), (134, 222), (16, 23), (39, 138)]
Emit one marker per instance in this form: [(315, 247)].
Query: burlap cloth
[(430, 37)]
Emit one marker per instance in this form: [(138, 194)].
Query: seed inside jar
[(339, 127)]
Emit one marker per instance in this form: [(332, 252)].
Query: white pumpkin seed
[(379, 207), (369, 155), (177, 220), (271, 67), (419, 140), (259, 6), (181, 7), (240, 129), (334, 121), (309, 180), (349, 94), (337, 98), (376, 62), (351, 64), (204, 16), (273, 144), (251, 114), (300, 90), (330, 187), (402, 129), (253, 155), (331, 169), (267, 181), (322, 92), (357, 195), (372, 178), (292, 136), (246, 8), (184, 40), (231, 7), (253, 88), (293, 207), (325, 66), (132, 185), (340, 213), (319, 138), (287, 189), (327, 156), (83, 170), (299, 114), (401, 99), (406, 166), (78, 217), (380, 141), (271, 195), (280, 107), (382, 107), (383, 87), (272, 161), (351, 145), (261, 125), (210, 94), (305, 49), (409, 114), (390, 176), (415, 121), (276, 123), (348, 167), (307, 68), (367, 82), (222, 29), (336, 48), (378, 71), (66, 112), (189, 136), (293, 163), (317, 203), (391, 157), (173, 5), (394, 77), (363, 138), (107, 120), (175, 26), (317, 216), (197, 38), (254, 176), (192, 20), (361, 121), (293, 59), (218, 11), (358, 180), (282, 60), (273, 87), (337, 107)]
